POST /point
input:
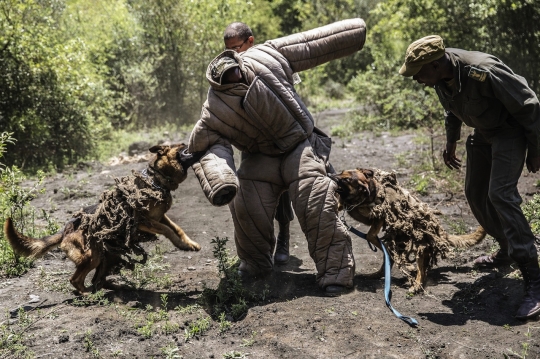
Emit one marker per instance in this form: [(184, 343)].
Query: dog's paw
[(195, 246), (190, 245), (415, 289)]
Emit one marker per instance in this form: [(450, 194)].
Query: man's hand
[(533, 164), (449, 156)]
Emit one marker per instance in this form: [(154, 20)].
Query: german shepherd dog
[(412, 231), (166, 170)]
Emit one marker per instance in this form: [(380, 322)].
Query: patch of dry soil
[(465, 313)]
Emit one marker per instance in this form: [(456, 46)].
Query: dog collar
[(145, 174)]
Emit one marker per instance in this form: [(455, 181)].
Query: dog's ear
[(368, 173), (160, 150)]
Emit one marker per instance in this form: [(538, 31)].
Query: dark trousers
[(284, 211), (494, 166)]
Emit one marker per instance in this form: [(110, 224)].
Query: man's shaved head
[(237, 30)]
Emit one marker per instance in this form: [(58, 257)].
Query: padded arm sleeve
[(217, 174), (311, 48)]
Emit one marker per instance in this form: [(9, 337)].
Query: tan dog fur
[(357, 190), (171, 166)]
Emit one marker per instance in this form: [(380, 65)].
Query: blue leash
[(388, 292), (387, 276)]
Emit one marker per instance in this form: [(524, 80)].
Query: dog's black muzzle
[(188, 159)]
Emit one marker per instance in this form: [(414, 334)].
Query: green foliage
[(12, 337), (54, 100), (300, 15), (181, 37), (230, 296), (393, 101), (15, 203), (75, 70)]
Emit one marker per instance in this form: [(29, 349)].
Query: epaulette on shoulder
[(478, 74)]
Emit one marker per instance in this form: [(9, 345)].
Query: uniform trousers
[(494, 165)]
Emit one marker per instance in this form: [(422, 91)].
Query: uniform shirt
[(487, 95)]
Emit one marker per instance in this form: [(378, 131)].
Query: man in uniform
[(239, 37), (481, 91)]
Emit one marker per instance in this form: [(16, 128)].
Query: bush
[(14, 203)]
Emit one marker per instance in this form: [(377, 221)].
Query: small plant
[(420, 183), (224, 324), (89, 344), (170, 328), (116, 353), (146, 330), (239, 309), (150, 273), (249, 342), (265, 292), (97, 298), (230, 297), (170, 351), (197, 328), (12, 343), (458, 227), (188, 309)]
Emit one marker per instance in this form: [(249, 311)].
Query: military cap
[(221, 66), (421, 52)]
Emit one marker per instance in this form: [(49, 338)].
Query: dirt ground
[(464, 313)]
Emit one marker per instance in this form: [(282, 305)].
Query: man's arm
[(522, 104), (453, 134)]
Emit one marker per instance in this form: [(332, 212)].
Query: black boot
[(530, 307), (282, 245)]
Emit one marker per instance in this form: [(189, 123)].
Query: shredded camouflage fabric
[(113, 223), (410, 225)]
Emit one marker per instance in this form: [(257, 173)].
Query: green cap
[(221, 66), (421, 52)]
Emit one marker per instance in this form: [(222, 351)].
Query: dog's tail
[(467, 240), (30, 247)]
